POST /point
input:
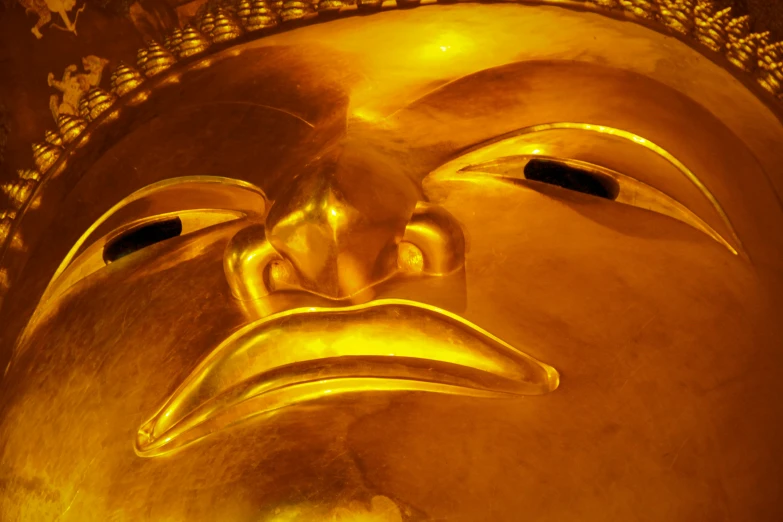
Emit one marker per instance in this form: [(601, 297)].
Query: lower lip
[(301, 355)]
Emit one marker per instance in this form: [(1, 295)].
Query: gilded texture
[(190, 43), (124, 79), (29, 174), (677, 15), (331, 6), (339, 276), (6, 222), (173, 41), (71, 127), (53, 138), (207, 23), (44, 155), (711, 25), (256, 15), (369, 5), (641, 8), (98, 101), (155, 59), (84, 109), (714, 28), (226, 28), (19, 191), (295, 10), (770, 65)]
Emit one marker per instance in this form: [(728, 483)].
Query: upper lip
[(389, 344)]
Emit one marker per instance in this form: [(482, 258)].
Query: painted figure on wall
[(44, 10), (74, 85)]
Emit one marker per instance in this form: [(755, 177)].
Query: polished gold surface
[(189, 43), (207, 22), (155, 59), (44, 155), (18, 192), (256, 15), (124, 79), (404, 267), (29, 174), (226, 28), (53, 138), (6, 221), (71, 127), (98, 101)]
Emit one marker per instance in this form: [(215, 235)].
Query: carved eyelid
[(620, 188), (216, 199), (94, 257)]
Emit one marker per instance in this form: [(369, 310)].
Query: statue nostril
[(410, 258), (254, 268), (433, 242), (246, 263), (280, 275)]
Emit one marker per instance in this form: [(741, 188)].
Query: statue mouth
[(308, 353)]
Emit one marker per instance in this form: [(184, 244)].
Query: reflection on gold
[(44, 155), (752, 52), (53, 138), (382, 509), (98, 101), (476, 154), (378, 509), (29, 174), (189, 43), (226, 28), (124, 79), (631, 191), (256, 15), (71, 127), (139, 97), (325, 332), (55, 286), (18, 192), (305, 353), (155, 59), (6, 222)]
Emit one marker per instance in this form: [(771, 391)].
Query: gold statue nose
[(339, 225), (333, 232)]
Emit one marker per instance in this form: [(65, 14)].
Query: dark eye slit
[(141, 237), (571, 178)]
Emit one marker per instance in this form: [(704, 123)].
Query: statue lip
[(307, 353)]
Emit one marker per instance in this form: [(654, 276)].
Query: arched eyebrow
[(631, 137), (259, 204)]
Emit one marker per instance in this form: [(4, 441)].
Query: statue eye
[(571, 178), (135, 236), (141, 237), (586, 178)]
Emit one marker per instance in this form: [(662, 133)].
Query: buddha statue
[(477, 262)]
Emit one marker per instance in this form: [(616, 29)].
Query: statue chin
[(461, 262)]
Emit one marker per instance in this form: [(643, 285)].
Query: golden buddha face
[(475, 262)]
